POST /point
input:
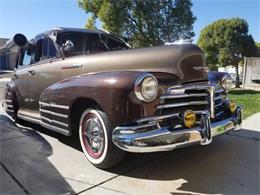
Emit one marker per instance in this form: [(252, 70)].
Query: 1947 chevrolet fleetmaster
[(117, 99)]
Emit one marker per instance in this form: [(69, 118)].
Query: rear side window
[(114, 44)]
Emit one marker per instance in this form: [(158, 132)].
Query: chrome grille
[(197, 97), (219, 100), (179, 99)]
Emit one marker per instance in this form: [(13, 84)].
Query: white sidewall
[(90, 158)]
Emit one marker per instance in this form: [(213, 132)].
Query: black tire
[(95, 134)]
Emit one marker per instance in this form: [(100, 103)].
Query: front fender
[(112, 91), (10, 99)]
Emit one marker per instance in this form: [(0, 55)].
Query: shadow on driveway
[(23, 158)]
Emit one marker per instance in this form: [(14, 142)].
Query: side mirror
[(68, 46)]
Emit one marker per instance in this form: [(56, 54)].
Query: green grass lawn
[(248, 98)]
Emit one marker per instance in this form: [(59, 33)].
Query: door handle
[(72, 66), (31, 72)]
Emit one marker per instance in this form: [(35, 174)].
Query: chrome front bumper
[(153, 138)]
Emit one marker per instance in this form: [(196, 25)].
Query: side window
[(83, 43), (114, 44), (44, 49), (48, 49), (94, 44), (25, 58)]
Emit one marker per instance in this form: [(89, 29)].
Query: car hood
[(186, 61)]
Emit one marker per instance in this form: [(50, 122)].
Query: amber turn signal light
[(189, 118), (232, 106)]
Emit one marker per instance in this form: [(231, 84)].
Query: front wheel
[(95, 135)]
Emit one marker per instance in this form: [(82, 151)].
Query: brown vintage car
[(91, 83)]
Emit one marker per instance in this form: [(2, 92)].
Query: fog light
[(189, 118), (232, 106)]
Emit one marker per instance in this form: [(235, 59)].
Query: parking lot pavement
[(37, 161)]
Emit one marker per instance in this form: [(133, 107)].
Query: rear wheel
[(95, 135)]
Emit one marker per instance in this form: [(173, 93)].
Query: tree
[(91, 23), (258, 49), (146, 23), (226, 42)]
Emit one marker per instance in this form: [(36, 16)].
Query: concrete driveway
[(37, 161)]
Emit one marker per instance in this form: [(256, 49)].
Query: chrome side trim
[(55, 122), (46, 125), (9, 105), (33, 120), (181, 104), (53, 113), (54, 128), (54, 105), (9, 110), (47, 119), (44, 104), (60, 123), (5, 100)]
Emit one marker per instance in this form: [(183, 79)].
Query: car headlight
[(226, 82), (146, 87)]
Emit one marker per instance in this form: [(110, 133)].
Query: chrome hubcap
[(93, 135)]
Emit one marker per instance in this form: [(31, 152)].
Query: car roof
[(57, 30), (83, 30)]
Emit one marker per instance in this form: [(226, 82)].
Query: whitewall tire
[(95, 135)]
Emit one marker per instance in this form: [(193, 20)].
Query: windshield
[(87, 43)]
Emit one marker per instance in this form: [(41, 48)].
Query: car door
[(48, 68), (20, 78)]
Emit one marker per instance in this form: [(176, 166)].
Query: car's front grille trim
[(182, 104), (169, 96), (219, 100), (219, 97), (203, 96)]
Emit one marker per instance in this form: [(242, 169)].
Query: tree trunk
[(237, 76)]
